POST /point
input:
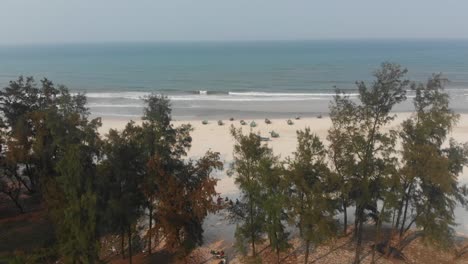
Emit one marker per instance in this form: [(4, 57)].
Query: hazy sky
[(45, 21)]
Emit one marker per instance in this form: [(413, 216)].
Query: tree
[(273, 202), (50, 146), (312, 189), (249, 156), (430, 186), (71, 187), (369, 144), (76, 218), (122, 174), (18, 101), (340, 150), (66, 148), (178, 218), (162, 142), (184, 202)]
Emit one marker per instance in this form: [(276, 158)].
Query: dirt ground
[(31, 230)]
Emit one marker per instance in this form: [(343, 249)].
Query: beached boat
[(267, 121), (290, 122), (263, 138), (220, 123), (204, 122), (242, 122)]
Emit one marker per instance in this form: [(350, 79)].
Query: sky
[(88, 21)]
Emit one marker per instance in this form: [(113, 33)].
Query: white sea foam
[(267, 94), (242, 99), (230, 96), (122, 95), (118, 115), (116, 105)]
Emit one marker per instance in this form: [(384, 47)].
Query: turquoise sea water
[(222, 76)]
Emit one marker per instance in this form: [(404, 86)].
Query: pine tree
[(76, 217), (18, 101), (71, 188), (430, 186), (249, 154), (340, 151), (273, 202), (312, 190), (159, 140), (178, 218), (371, 146), (122, 174)]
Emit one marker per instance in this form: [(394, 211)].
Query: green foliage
[(313, 189), (74, 146), (273, 196), (365, 158), (121, 178), (252, 160), (48, 134), (430, 170), (76, 217)]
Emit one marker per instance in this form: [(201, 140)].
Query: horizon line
[(208, 41)]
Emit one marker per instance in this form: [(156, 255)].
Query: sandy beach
[(218, 138)]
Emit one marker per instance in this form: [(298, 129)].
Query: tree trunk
[(20, 207), (409, 225), (357, 255), (392, 233), (16, 201), (356, 223), (301, 215), (377, 235), (345, 220), (130, 244), (252, 232), (122, 243), (31, 178), (404, 217), (18, 178), (277, 255), (407, 198), (400, 210), (306, 258), (150, 233)]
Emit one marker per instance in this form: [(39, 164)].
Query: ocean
[(239, 79)]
